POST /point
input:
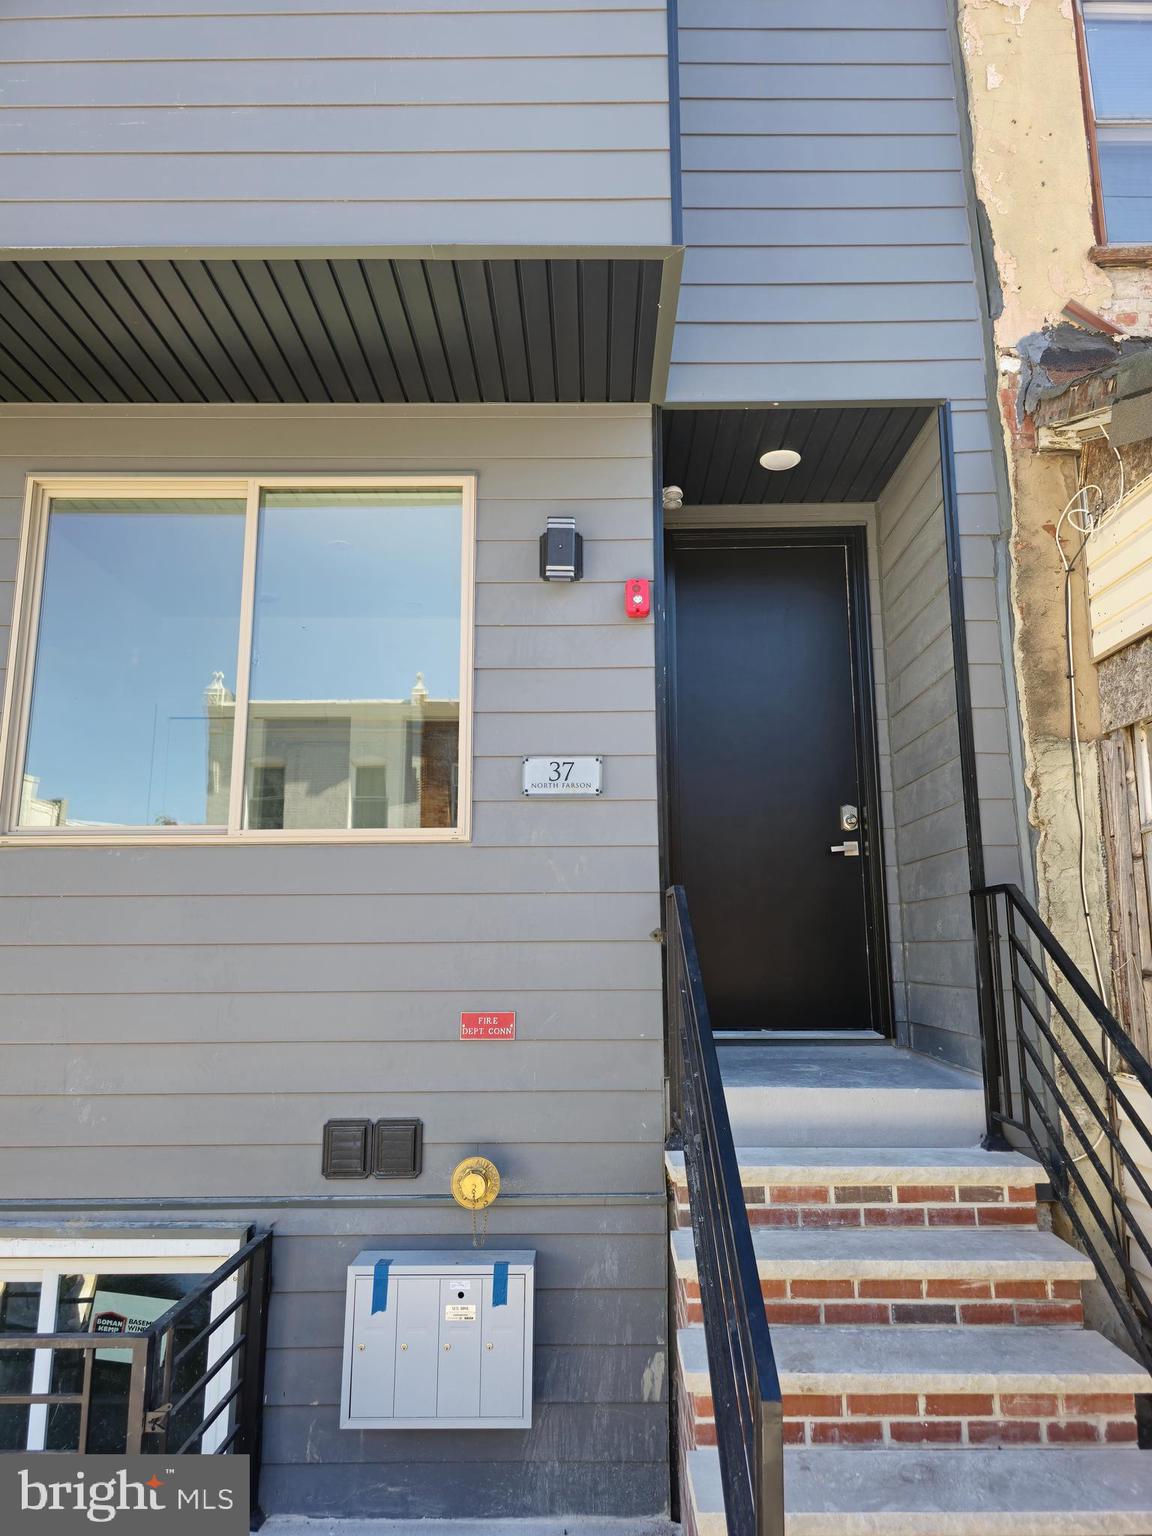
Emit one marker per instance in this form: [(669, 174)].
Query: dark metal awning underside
[(375, 330), (847, 454)]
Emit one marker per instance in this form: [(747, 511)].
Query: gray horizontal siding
[(394, 124), (824, 206), (180, 1022)]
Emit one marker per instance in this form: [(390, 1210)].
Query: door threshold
[(799, 1037)]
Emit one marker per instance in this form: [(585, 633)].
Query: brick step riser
[(939, 1303), (880, 1205), (879, 1420)]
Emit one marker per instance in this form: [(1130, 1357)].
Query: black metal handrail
[(193, 1386), (1050, 1041), (745, 1384)]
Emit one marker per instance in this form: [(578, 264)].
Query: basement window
[(1117, 38), (242, 660)]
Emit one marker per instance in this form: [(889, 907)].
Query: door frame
[(853, 539)]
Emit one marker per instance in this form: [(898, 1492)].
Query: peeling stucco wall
[(1032, 175)]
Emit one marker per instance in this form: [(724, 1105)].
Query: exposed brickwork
[(940, 1418), (903, 1303), (882, 1205)]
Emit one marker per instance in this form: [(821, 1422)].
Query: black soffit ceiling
[(846, 454), (223, 331)]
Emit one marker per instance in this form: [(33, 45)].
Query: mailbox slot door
[(458, 1388), (373, 1367), (502, 1358), (416, 1339)]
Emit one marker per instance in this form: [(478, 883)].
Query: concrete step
[(1026, 1491), (878, 1186), (936, 1386), (849, 1096), (904, 1275)]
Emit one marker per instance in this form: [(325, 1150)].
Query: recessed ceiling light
[(780, 458)]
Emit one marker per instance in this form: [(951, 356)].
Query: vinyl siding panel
[(187, 1018), (394, 124), (824, 206)]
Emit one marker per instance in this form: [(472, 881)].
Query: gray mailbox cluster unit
[(439, 1340)]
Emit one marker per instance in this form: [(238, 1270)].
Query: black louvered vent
[(346, 1148), (397, 1149)]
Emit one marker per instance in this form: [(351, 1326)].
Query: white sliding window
[(262, 659)]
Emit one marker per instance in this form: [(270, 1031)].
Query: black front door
[(770, 738)]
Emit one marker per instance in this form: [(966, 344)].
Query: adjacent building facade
[(309, 321)]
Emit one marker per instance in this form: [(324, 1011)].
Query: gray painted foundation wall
[(179, 1022), (302, 122)]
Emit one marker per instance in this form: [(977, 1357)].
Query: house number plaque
[(563, 777)]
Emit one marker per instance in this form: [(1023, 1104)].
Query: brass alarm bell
[(475, 1183)]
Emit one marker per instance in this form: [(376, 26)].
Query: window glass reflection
[(120, 1304), (354, 712), (139, 615), (19, 1311)]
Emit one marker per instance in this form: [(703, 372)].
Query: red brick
[(794, 1432), (892, 1216), (833, 1216), (1006, 1216), (961, 1290), (755, 1194), (1065, 1290), (925, 1194), (808, 1290), (705, 1434), (889, 1405), (847, 1432), (1105, 1404), (1022, 1194), (856, 1312), (921, 1431), (773, 1290), (694, 1312), (993, 1314), (703, 1406), (1021, 1290), (1120, 1432), (935, 1312), (773, 1216), (1028, 1405), (1073, 1432), (981, 1194), (1070, 1313), (962, 1405), (862, 1194), (1004, 1432), (951, 1216), (691, 1288), (891, 1290), (813, 1405), (792, 1312), (798, 1194)]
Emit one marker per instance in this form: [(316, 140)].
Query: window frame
[(1126, 250), (43, 1260), (42, 489)]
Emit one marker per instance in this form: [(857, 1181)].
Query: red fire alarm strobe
[(637, 601), (487, 1026)]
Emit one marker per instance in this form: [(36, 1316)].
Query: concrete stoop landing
[(936, 1376)]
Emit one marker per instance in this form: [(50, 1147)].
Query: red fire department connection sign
[(487, 1026)]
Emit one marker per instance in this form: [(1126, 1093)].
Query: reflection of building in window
[(326, 764), (35, 812)]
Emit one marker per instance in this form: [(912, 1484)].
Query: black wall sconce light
[(561, 551)]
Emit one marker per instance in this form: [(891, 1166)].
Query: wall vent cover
[(397, 1149), (346, 1147)]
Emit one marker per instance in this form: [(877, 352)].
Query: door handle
[(849, 850)]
